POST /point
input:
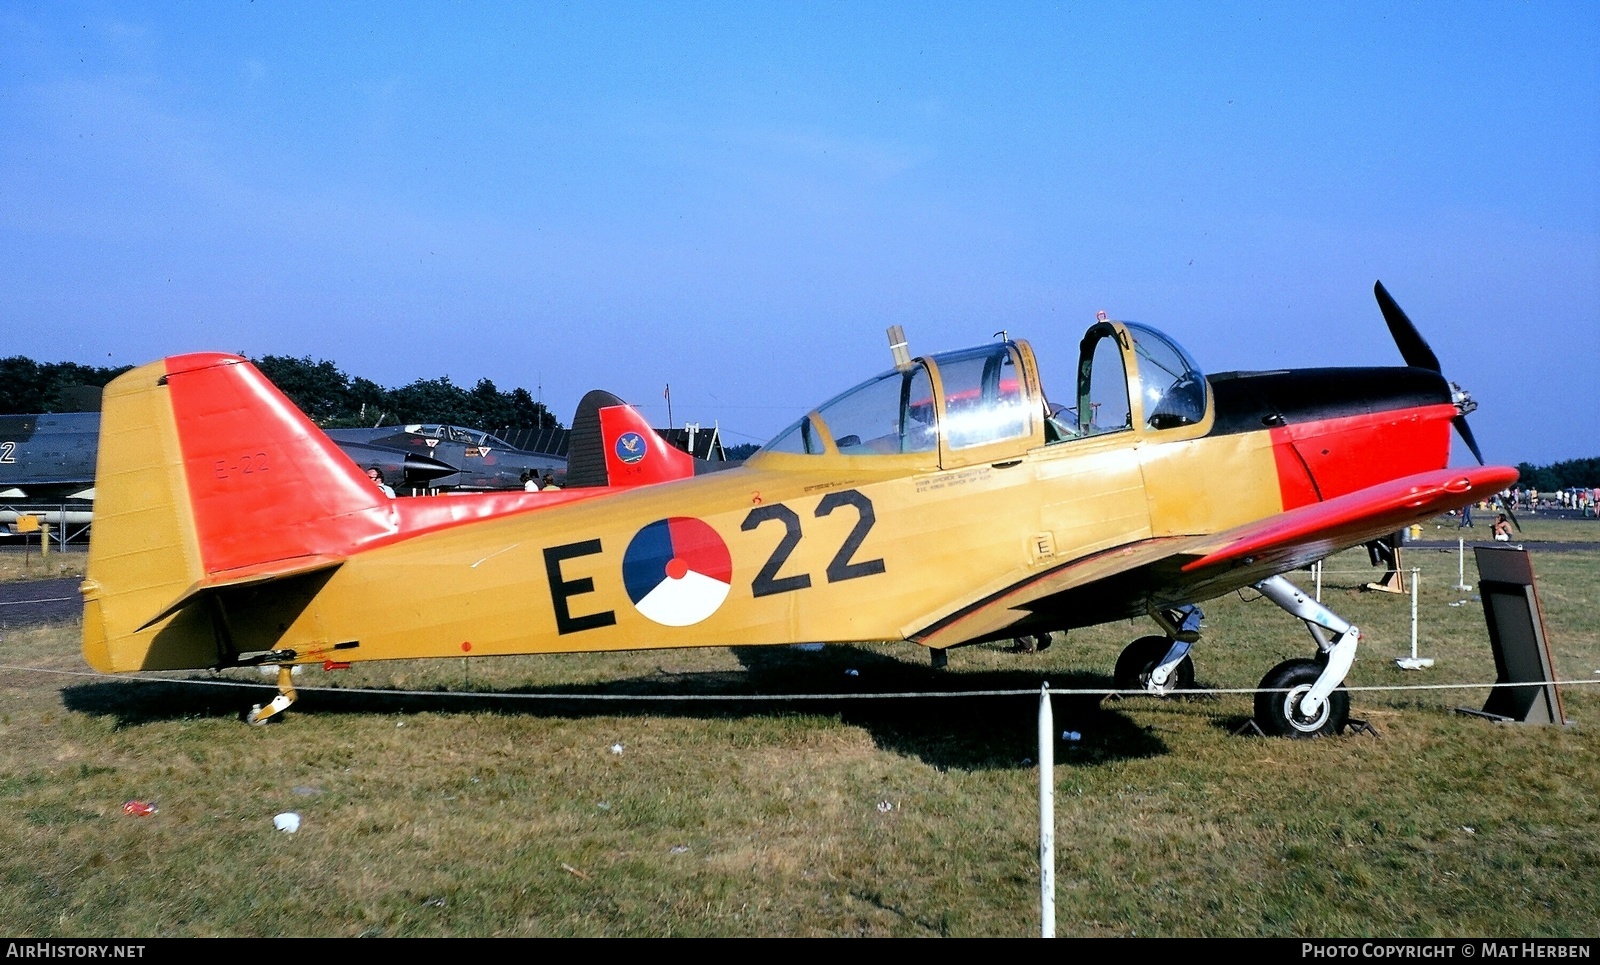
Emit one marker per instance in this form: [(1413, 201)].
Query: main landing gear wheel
[(1141, 657), (1278, 711)]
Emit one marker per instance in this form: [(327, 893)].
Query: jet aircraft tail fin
[(612, 445), (209, 477)]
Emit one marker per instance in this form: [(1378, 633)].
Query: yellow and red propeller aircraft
[(943, 502)]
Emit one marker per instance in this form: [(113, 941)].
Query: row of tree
[(336, 400), (27, 386), (1560, 475), (328, 395)]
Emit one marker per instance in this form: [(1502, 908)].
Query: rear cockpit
[(929, 409)]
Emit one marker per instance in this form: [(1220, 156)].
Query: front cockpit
[(1123, 366), (987, 403)]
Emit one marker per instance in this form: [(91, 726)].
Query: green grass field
[(19, 564), (438, 812)]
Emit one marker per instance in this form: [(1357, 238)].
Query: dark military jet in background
[(48, 460), (472, 459), (409, 470), (48, 457)]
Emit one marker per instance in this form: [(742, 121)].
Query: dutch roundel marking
[(631, 447), (677, 571)]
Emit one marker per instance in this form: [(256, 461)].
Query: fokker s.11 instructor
[(943, 502)]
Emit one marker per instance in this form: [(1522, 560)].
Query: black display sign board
[(1516, 630)]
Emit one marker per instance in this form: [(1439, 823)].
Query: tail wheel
[(1278, 710), (1141, 657), (1032, 644)]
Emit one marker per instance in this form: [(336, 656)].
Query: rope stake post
[(1047, 815), (1414, 662)]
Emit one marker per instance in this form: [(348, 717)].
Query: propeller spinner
[(1414, 349)]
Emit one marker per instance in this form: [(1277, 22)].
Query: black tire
[(1141, 657), (1277, 705)]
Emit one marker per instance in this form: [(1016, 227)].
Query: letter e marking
[(562, 589)]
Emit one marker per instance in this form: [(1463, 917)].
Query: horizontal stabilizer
[(246, 575)]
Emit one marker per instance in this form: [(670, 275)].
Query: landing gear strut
[(1160, 665), (1304, 698)]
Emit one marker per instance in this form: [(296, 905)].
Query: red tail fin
[(636, 455), (264, 483), (612, 445)]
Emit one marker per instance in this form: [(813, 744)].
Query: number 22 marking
[(767, 581)]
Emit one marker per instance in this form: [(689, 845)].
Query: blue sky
[(737, 199)]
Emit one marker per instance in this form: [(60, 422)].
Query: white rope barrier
[(896, 695), (53, 599)]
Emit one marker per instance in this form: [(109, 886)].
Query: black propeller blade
[(1414, 349), (1460, 422)]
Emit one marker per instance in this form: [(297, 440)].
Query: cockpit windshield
[(890, 415), (799, 438), (1171, 387), (461, 434)]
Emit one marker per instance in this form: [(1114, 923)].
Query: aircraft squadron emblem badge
[(631, 447)]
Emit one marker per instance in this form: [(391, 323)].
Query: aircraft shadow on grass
[(957, 733)]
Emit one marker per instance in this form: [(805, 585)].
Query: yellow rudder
[(143, 554)]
